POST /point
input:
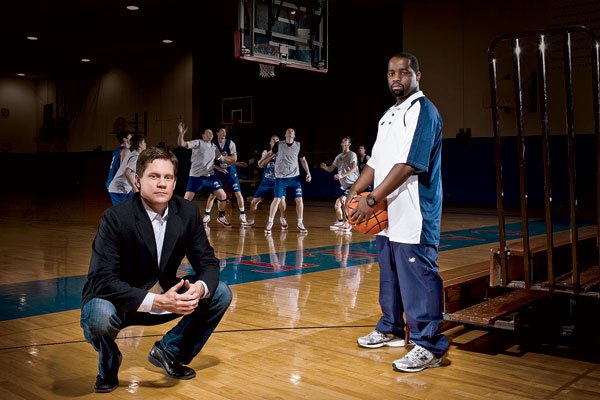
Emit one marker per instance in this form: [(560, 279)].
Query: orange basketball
[(376, 222)]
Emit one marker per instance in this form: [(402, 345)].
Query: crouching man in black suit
[(132, 277)]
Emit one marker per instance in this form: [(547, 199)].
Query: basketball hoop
[(266, 71)]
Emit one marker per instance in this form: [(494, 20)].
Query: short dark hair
[(135, 141), (414, 63), (154, 153), (122, 135)]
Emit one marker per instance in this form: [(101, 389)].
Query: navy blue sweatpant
[(409, 282)]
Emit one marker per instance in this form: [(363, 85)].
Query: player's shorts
[(119, 197), (197, 183), (266, 189), (340, 191), (292, 185), (230, 179)]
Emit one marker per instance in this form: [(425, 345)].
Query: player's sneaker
[(284, 224), (223, 221), (417, 360), (377, 339), (336, 226), (346, 227), (301, 228), (248, 224), (243, 219), (206, 218), (269, 227)]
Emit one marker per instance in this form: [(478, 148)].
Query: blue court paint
[(32, 298)]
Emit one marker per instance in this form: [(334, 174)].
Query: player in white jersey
[(346, 164), (123, 184), (204, 154), (267, 185), (287, 176)]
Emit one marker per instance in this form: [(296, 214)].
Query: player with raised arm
[(204, 154)]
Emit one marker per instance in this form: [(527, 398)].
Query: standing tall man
[(406, 170), (202, 174), (287, 176), (132, 279), (346, 164)]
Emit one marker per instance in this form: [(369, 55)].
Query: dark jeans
[(409, 283), (101, 322)]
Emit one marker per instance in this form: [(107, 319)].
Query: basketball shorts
[(230, 180), (117, 198), (266, 189), (288, 185), (340, 191), (197, 183)]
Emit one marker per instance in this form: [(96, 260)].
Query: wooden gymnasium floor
[(290, 332)]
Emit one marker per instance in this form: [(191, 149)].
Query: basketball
[(376, 222)]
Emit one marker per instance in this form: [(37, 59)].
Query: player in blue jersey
[(227, 174), (405, 168), (118, 155), (267, 185)]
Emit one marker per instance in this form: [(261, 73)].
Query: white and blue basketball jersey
[(269, 169), (411, 133), (227, 150)]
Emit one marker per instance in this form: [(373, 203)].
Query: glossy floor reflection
[(299, 303)]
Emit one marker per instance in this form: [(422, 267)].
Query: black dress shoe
[(160, 358), (106, 385)]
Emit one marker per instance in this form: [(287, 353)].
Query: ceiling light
[(167, 41), (21, 74), (85, 60), (293, 12), (133, 8), (32, 38)]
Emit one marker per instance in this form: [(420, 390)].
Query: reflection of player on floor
[(227, 174), (287, 176), (267, 185), (406, 170), (346, 164), (204, 153), (123, 184), (119, 154)]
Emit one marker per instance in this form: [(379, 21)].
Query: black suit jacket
[(124, 262)]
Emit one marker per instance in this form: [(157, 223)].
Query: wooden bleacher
[(497, 311)]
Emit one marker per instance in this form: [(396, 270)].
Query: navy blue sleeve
[(427, 134)]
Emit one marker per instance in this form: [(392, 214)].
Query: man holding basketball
[(405, 168)]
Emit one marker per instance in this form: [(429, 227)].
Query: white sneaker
[(248, 224), (206, 218), (417, 360), (336, 226), (377, 339), (223, 221), (269, 227), (284, 224), (301, 228), (243, 219), (346, 227)]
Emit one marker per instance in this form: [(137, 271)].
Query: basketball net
[(266, 71)]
